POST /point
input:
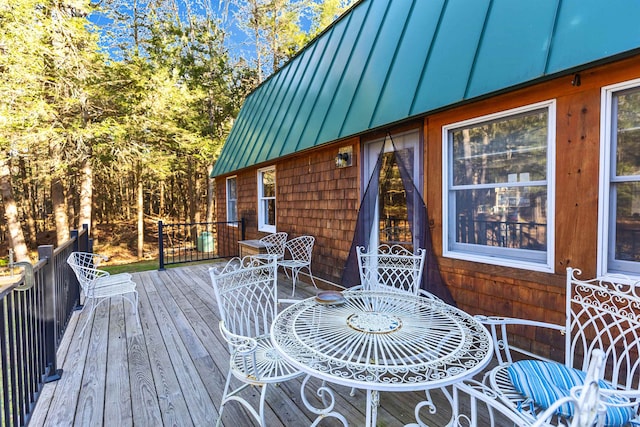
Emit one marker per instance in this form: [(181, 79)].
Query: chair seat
[(545, 382), (120, 277), (291, 263), (109, 286), (270, 365)]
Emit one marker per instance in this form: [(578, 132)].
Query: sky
[(238, 42)]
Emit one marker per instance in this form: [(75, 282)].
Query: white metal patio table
[(381, 341)]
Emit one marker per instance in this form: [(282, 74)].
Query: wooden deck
[(172, 369)]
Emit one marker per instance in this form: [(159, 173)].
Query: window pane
[(232, 211), (502, 217), (394, 224), (269, 212), (628, 134), (269, 184), (506, 150), (231, 191), (627, 221)]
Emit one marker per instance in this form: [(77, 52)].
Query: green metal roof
[(386, 61)]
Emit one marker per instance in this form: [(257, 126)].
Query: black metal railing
[(34, 312), (189, 242), (395, 231), (505, 234)]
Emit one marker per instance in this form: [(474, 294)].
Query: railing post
[(160, 246), (50, 326), (85, 243), (242, 228), (74, 234), (80, 245)]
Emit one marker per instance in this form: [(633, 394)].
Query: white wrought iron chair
[(601, 313), (98, 285), (392, 268), (583, 399), (246, 292), (300, 250), (274, 243)]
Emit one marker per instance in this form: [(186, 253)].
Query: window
[(267, 199), (498, 188), (619, 226), (232, 200)]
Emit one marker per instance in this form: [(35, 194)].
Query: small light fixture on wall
[(343, 159), (576, 80)]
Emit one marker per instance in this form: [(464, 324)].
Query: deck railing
[(505, 234), (188, 242), (34, 312)]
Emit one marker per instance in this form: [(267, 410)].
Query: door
[(393, 217)]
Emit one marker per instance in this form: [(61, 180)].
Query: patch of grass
[(133, 267), (152, 264)]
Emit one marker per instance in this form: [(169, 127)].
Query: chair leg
[(224, 399), (89, 316), (311, 276), (294, 278), (263, 396), (234, 395)]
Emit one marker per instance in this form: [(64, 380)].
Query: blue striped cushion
[(546, 382)]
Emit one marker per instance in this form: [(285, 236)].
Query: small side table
[(251, 247)]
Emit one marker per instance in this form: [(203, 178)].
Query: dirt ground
[(119, 241)]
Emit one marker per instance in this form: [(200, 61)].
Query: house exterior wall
[(314, 197), (494, 290)]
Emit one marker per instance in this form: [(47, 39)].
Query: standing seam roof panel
[(397, 92), (327, 97), (366, 46), (376, 71), (249, 137), (282, 113), (282, 97), (445, 77), (292, 129), (278, 97), (449, 51), (352, 72), (530, 26), (321, 103), (591, 29)]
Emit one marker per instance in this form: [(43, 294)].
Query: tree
[(21, 106), (276, 27), (128, 119)]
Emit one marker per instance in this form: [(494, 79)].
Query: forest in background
[(119, 125)]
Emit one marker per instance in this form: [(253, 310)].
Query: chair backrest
[(246, 293), (391, 268), (275, 243), (604, 313), (84, 265), (301, 248)]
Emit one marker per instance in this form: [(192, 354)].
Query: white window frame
[(606, 221), (262, 226), (229, 200), (500, 256)]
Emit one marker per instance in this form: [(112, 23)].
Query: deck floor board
[(171, 370)]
